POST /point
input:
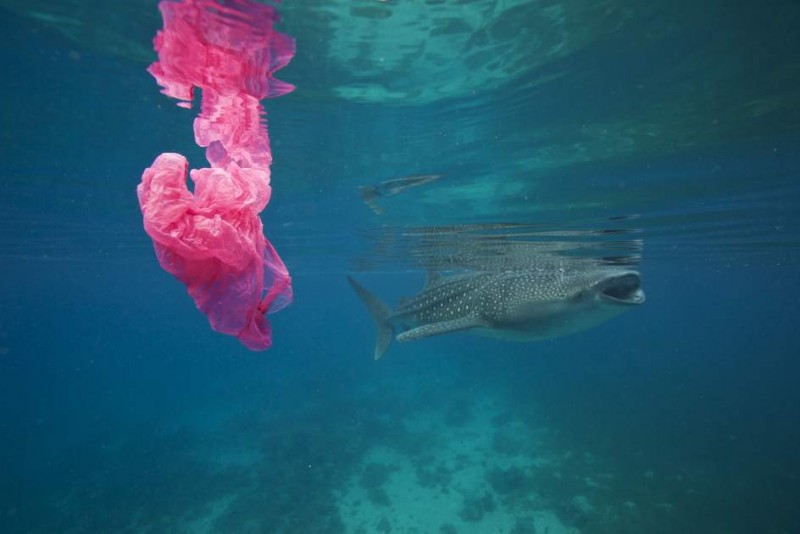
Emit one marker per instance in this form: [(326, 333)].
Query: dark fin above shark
[(380, 313), (432, 278)]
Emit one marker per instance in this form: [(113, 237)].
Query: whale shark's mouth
[(623, 289)]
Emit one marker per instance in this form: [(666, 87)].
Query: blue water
[(121, 411)]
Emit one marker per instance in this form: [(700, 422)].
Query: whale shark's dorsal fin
[(432, 278), (442, 327)]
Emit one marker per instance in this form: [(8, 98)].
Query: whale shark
[(548, 298)]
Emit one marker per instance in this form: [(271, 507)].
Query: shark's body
[(554, 298)]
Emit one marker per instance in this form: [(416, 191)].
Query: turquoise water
[(662, 135)]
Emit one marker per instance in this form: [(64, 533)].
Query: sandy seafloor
[(468, 465), (467, 469), (460, 482)]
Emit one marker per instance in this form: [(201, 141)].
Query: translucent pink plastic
[(212, 239)]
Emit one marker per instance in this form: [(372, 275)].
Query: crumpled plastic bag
[(212, 239)]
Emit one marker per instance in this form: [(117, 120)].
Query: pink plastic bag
[(212, 240)]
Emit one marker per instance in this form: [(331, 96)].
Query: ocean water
[(663, 135)]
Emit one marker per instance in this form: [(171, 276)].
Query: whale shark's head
[(541, 304)]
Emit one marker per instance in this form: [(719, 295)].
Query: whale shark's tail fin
[(380, 313)]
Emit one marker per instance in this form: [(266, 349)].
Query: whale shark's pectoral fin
[(443, 327)]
